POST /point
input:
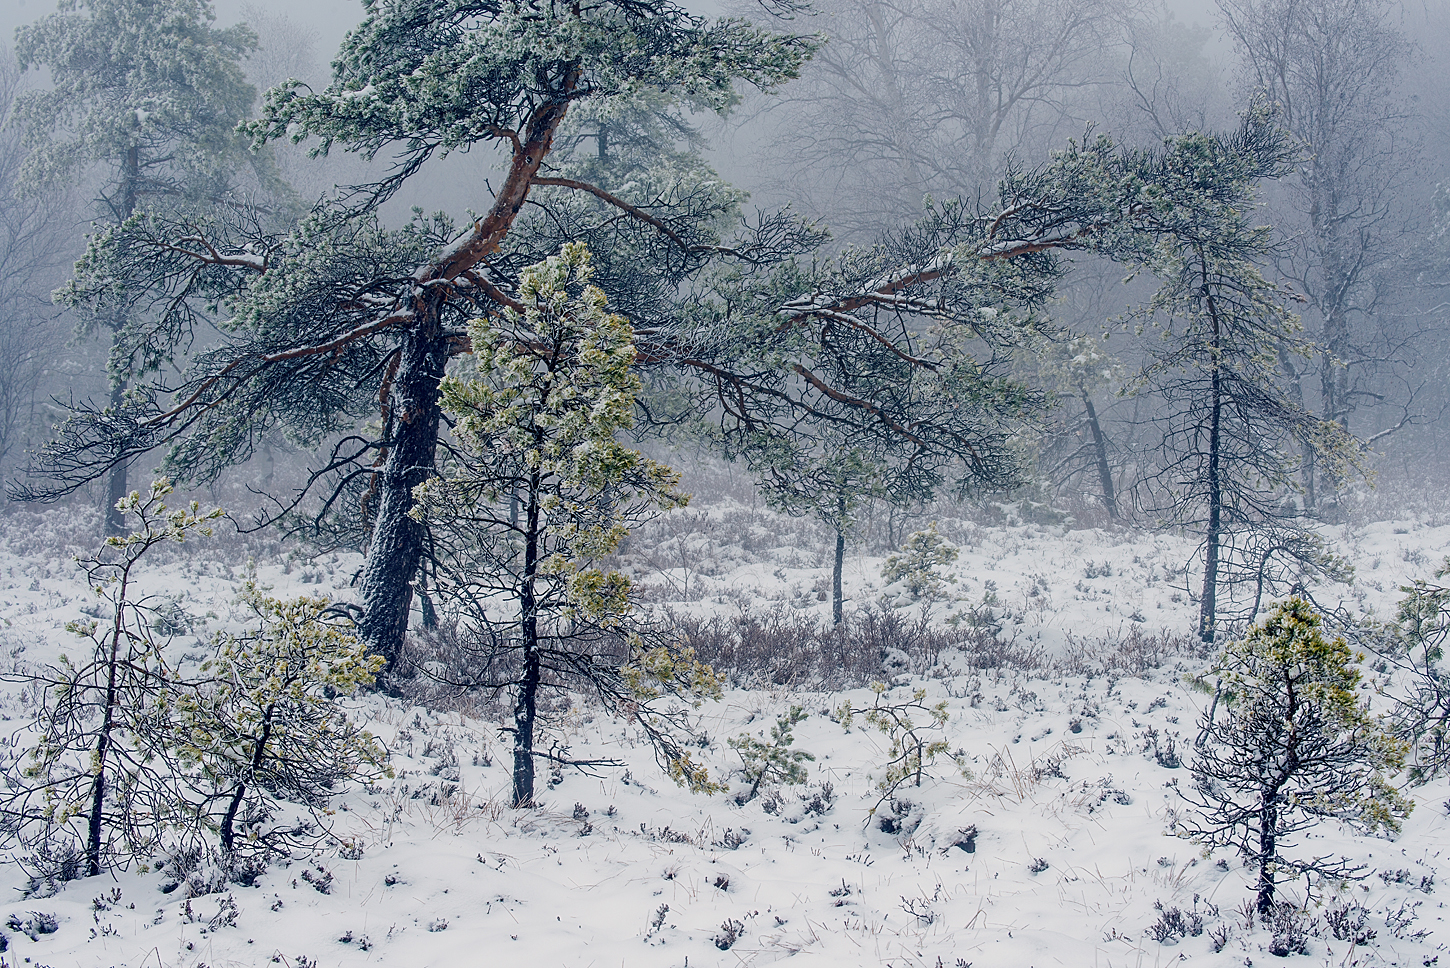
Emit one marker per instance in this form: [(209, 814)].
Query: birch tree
[(1334, 69), (928, 98)]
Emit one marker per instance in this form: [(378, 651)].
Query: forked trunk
[(397, 544), (396, 547), (259, 753)]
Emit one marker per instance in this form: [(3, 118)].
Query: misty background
[(934, 99)]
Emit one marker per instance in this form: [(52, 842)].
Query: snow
[(1071, 807)]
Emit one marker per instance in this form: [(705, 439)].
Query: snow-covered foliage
[(1073, 720)]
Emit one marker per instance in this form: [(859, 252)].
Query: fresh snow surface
[(1071, 860)]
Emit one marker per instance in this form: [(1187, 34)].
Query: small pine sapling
[(538, 494), (913, 746), (1418, 636), (766, 761), (264, 725), (918, 569), (101, 773), (1289, 743)]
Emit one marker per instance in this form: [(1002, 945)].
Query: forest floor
[(1054, 847)]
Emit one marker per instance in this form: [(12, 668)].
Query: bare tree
[(1334, 69), (917, 97)]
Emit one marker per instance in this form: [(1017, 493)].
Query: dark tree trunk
[(1268, 844), (837, 598), (1208, 603), (1100, 447), (259, 752), (103, 745), (397, 543), (526, 705)]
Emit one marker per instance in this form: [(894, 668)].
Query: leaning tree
[(928, 302), (899, 348)]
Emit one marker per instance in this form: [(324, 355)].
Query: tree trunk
[(1208, 603), (116, 485), (103, 742), (526, 705), (1268, 837), (1100, 447), (397, 543), (836, 597), (116, 482), (259, 752)]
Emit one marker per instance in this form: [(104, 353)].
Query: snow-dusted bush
[(1417, 648), (771, 761), (916, 574), (264, 725), (914, 730), (101, 778)]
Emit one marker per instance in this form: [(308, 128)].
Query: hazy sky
[(332, 18)]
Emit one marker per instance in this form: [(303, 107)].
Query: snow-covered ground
[(1054, 848)]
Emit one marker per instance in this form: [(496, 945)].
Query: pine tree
[(101, 774), (1288, 743), (1414, 643), (538, 491), (152, 92), (344, 321), (918, 566), (262, 724), (820, 477)]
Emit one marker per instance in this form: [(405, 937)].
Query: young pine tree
[(539, 490), (264, 724), (1289, 743), (100, 775)]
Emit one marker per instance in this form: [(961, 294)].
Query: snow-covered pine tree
[(538, 490), (905, 347), (263, 726), (152, 92), (919, 566), (340, 331), (100, 777), (1289, 743)]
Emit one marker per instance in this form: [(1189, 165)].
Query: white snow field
[(1056, 850)]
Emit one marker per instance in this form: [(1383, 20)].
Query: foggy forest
[(935, 483)]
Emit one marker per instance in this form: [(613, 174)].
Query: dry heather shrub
[(1132, 652), (778, 647)]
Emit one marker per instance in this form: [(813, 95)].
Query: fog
[(891, 146)]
